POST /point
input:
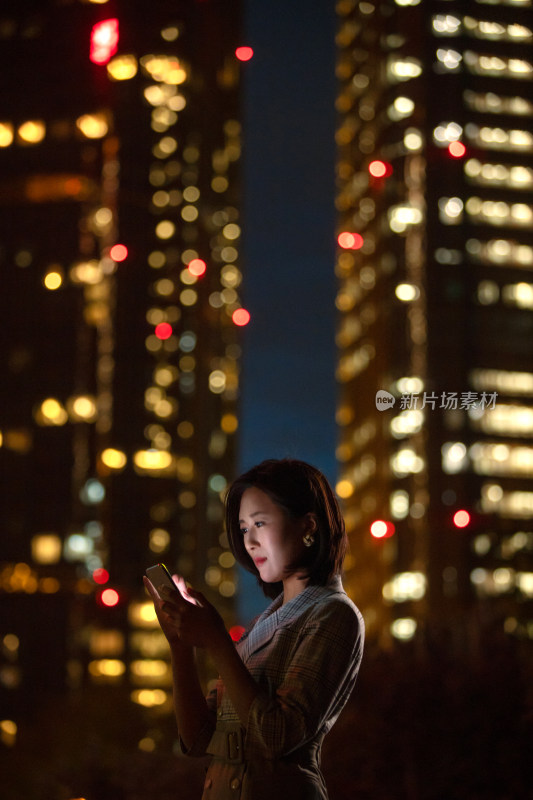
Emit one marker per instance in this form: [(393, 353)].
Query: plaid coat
[(305, 656)]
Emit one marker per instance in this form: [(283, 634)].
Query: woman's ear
[(310, 523)]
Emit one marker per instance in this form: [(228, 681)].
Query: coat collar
[(278, 615)]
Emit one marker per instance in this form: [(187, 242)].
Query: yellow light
[(217, 381), (152, 460), (165, 69), (122, 68), (149, 697), (110, 668), (187, 499), (6, 134), (344, 489), (82, 408), (32, 132), (49, 585), (188, 297), (159, 540), (164, 288), (93, 126), (114, 459), (8, 732), (150, 668), (185, 429), (165, 229), (185, 468), (143, 615), (87, 272), (226, 560), (219, 184), (46, 548), (229, 423), (53, 280), (51, 412), (407, 292)]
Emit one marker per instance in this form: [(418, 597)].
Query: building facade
[(120, 143), (435, 337)]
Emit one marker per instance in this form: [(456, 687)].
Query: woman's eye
[(259, 524), (244, 530)]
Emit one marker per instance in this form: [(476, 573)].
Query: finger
[(150, 588), (197, 597)]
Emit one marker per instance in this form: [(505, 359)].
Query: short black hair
[(299, 489)]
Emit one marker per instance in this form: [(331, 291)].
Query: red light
[(100, 575), (380, 529), (104, 41), (244, 53), (456, 149), (197, 267), (119, 252), (241, 317), (163, 330), (380, 169), (461, 518), (109, 598), (350, 241), (236, 632)]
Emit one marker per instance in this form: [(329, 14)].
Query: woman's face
[(272, 539)]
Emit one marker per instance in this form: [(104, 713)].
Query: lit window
[(505, 420), (499, 138), (406, 423), (454, 457), (113, 459), (6, 134), (503, 252), (491, 103), (399, 504), (32, 132), (498, 212), (405, 586), (515, 504), (404, 216), (498, 66), (449, 59), (46, 548), (403, 69), (165, 69), (484, 29), (507, 176), (406, 462), (519, 295), (51, 412), (451, 210), (447, 132), (490, 380), (495, 458), (446, 24), (404, 628), (122, 68)]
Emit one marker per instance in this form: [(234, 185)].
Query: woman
[(285, 683)]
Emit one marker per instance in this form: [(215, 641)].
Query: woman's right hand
[(168, 625)]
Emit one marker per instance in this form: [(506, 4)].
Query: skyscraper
[(119, 241), (435, 188)]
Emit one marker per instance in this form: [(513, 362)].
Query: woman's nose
[(250, 539)]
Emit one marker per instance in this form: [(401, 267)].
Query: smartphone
[(158, 575)]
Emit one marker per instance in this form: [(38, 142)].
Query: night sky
[(288, 385)]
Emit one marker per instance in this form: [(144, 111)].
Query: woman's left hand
[(196, 620)]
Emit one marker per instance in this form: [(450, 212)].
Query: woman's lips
[(259, 561)]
